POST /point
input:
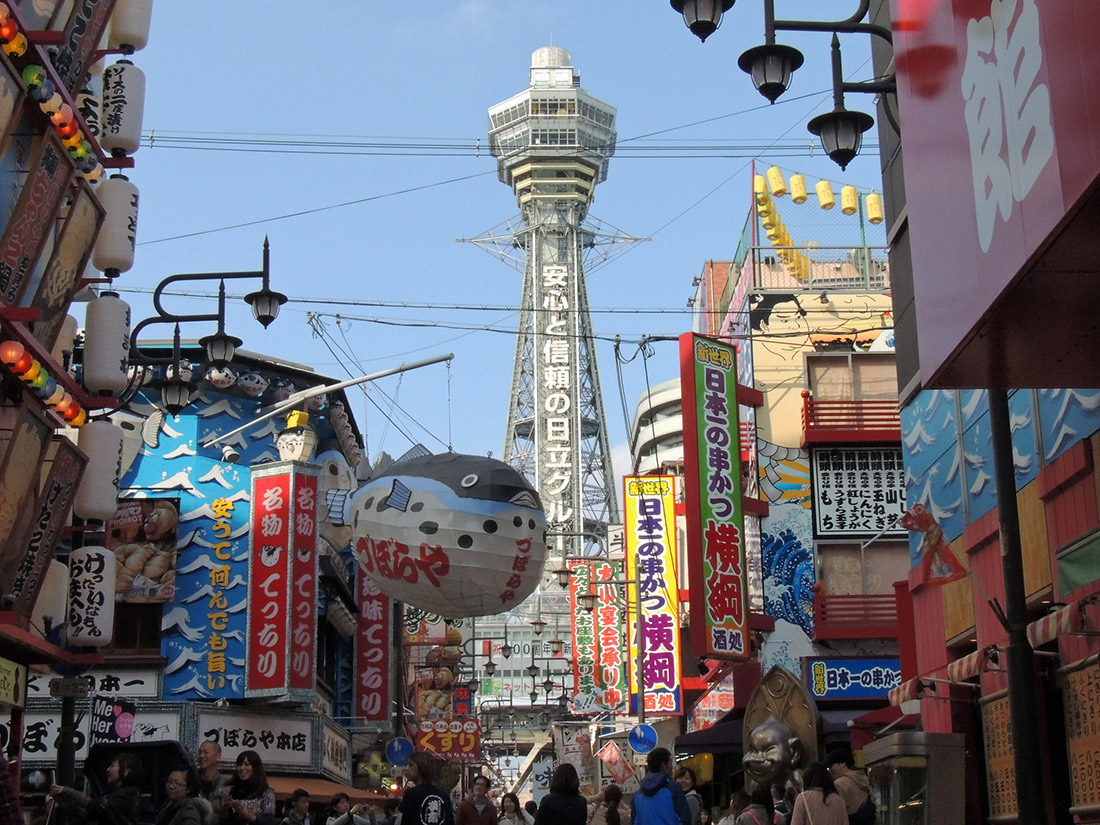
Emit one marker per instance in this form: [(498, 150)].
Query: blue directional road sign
[(398, 751), (643, 738)]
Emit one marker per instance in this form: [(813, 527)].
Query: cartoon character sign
[(456, 535)]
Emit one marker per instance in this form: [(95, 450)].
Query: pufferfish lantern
[(456, 535)]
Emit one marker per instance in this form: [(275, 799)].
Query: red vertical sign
[(269, 571), (372, 653), (303, 610)]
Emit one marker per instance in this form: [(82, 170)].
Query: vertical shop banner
[(79, 39), (584, 641), (284, 512), (21, 455), (21, 585), (51, 170), (651, 563), (372, 655), (611, 631), (303, 614), (712, 487)]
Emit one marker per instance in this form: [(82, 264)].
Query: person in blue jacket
[(661, 800)]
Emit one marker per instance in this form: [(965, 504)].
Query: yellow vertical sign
[(651, 563)]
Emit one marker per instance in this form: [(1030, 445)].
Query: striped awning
[(903, 692), (1059, 623), (967, 667)]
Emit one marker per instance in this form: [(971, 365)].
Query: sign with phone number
[(449, 738)]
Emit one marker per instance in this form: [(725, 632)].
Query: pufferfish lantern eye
[(469, 481)]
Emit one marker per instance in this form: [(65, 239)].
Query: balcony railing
[(849, 422), (820, 268), (855, 617)]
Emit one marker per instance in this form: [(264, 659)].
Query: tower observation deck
[(552, 143)]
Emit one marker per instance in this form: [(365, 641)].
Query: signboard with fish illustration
[(456, 535)]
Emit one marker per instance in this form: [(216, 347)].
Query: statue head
[(773, 753)]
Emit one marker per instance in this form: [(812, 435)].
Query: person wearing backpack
[(853, 786)]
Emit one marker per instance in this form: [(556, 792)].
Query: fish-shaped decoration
[(456, 535)]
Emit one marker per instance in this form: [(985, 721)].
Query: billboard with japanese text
[(712, 490), (651, 563)]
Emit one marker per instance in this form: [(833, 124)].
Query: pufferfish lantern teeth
[(456, 535)]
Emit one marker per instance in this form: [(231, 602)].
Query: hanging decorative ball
[(8, 30), (62, 115), (34, 75), (80, 419), (56, 397), (67, 130), (48, 388), (96, 174), (11, 352), (17, 46), (50, 107), (32, 372), (43, 92)]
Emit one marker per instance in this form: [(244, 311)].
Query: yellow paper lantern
[(760, 189), (776, 182), (849, 200), (825, 194), (798, 188), (874, 208)]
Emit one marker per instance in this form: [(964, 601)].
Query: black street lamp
[(772, 65), (703, 17), (220, 348)]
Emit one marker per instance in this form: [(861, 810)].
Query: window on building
[(843, 570), (852, 376), (137, 630)]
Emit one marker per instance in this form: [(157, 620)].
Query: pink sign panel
[(999, 153)]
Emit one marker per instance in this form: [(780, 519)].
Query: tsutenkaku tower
[(552, 143)]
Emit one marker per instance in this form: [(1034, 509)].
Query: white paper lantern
[(129, 28), (123, 108), (457, 535), (97, 496), (91, 609), (114, 248), (106, 343), (65, 342), (51, 598)]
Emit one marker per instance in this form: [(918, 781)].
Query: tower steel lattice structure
[(552, 143)]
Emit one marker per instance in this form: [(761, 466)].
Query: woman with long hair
[(819, 803), (564, 805), (511, 812), (119, 803), (248, 799), (609, 808)]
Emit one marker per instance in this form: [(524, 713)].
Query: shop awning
[(1059, 623), (723, 737), (969, 665), (320, 789)]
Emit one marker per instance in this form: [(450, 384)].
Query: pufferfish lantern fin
[(399, 496)]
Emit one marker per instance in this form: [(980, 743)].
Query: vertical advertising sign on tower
[(372, 655), (712, 486), (284, 526), (651, 563)]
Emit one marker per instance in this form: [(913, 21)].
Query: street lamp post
[(771, 66), (219, 347)]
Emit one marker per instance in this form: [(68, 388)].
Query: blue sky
[(425, 73)]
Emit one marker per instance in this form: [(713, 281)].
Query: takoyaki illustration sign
[(457, 535), (143, 534), (282, 562)]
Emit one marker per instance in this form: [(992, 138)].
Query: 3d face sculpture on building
[(456, 535)]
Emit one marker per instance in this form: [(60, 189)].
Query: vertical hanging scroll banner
[(712, 486), (612, 663), (584, 641), (79, 39), (278, 519), (372, 655), (51, 170), (651, 562), (303, 610)]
